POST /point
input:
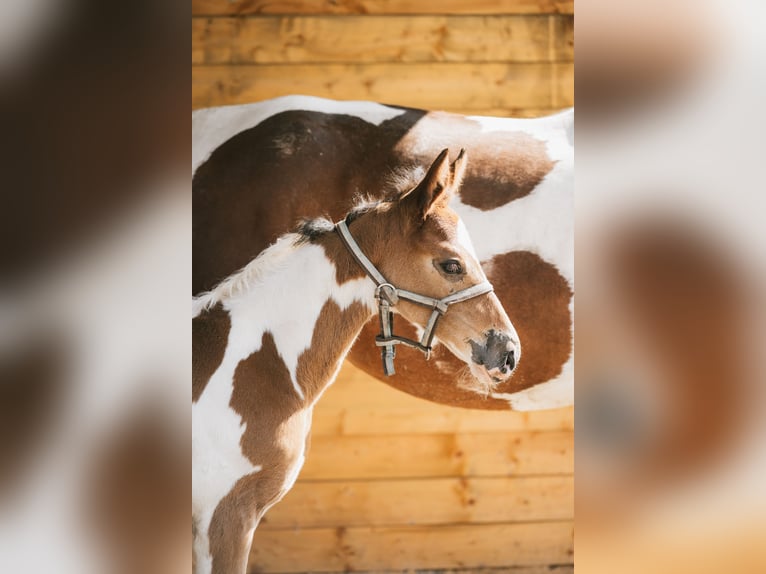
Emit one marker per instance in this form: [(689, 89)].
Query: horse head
[(427, 263)]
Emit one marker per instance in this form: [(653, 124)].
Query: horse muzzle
[(498, 354)]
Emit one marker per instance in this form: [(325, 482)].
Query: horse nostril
[(510, 361)]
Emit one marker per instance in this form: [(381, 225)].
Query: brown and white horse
[(268, 341), (258, 168)]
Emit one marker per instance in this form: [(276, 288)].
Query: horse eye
[(452, 267)]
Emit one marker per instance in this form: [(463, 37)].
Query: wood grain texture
[(444, 455), (412, 547), (236, 7), (357, 404), (423, 502), (426, 419), (447, 86), (370, 39)]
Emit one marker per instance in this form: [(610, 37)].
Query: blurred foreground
[(94, 265), (671, 261)]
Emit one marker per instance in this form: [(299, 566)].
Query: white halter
[(388, 295)]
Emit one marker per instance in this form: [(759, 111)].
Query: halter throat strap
[(389, 295)]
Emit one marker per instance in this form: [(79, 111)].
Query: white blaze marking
[(213, 126)]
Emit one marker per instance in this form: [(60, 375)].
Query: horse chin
[(472, 377), (476, 379)]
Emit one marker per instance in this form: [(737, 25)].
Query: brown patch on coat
[(210, 335), (277, 420), (229, 533), (263, 395), (335, 328), (536, 298), (248, 192), (138, 492), (504, 166), (31, 390)]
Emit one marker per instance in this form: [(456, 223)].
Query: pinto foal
[(271, 338)]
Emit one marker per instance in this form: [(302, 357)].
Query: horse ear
[(457, 169), (438, 185)]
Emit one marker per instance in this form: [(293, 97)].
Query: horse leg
[(222, 537)]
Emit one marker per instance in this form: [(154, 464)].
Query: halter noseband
[(388, 295)]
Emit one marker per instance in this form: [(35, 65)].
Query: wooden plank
[(423, 502), (366, 39), (443, 455), (542, 569), (355, 387), (234, 7), (513, 112), (358, 404), (431, 419), (432, 86), (411, 547)]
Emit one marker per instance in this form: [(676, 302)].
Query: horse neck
[(312, 309)]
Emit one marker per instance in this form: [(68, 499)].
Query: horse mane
[(269, 260), (397, 183)]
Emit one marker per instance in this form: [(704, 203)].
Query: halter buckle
[(388, 292)]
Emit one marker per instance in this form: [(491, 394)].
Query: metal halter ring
[(390, 295)]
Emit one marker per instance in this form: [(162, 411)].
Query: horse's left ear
[(439, 184)]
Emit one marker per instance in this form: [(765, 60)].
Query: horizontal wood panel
[(447, 455), (513, 112), (231, 7), (358, 404), (361, 39), (430, 419), (400, 548), (431, 86), (426, 501)]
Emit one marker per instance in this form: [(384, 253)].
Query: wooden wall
[(509, 57), (393, 483)]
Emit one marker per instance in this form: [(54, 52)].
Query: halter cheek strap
[(388, 296)]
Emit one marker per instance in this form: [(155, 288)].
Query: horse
[(257, 168), (270, 339)]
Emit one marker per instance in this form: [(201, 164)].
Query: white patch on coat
[(541, 222), (288, 304), (464, 239), (276, 294), (265, 265), (212, 127), (563, 119), (556, 393)]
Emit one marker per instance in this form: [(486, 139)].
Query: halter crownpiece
[(388, 296)]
